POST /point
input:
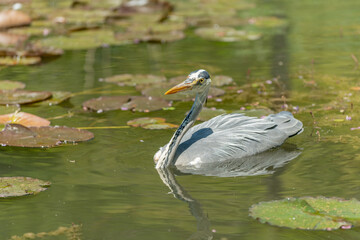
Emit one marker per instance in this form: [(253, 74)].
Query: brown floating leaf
[(62, 133), (134, 79), (21, 186), (11, 39), (14, 18), (106, 103), (22, 97), (135, 103), (151, 123), (23, 118), (20, 136), (145, 104)]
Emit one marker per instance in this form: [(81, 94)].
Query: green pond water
[(109, 185)]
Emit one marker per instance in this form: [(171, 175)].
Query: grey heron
[(225, 138)]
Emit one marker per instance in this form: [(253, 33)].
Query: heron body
[(225, 138)]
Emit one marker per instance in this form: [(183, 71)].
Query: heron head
[(197, 81)]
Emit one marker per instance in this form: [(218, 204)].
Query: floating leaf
[(72, 233), (106, 103), (267, 22), (20, 136), (62, 133), (11, 85), (151, 123), (22, 97), (8, 109), (11, 39), (57, 97), (23, 118), (12, 61), (145, 104), (21, 186), (132, 80), (221, 80), (14, 18), (310, 213), (80, 40), (226, 34), (208, 113)]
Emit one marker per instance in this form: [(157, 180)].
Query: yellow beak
[(179, 88)]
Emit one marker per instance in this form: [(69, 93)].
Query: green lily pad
[(145, 104), (311, 213), (41, 137), (22, 97), (151, 123), (21, 186), (226, 34), (221, 80), (209, 113), (80, 40), (134, 79), (57, 97), (267, 22), (105, 103), (11, 85), (13, 61)]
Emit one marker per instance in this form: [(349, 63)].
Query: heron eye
[(201, 80)]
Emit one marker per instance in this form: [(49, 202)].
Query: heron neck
[(168, 155)]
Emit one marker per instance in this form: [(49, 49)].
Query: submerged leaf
[(151, 123), (23, 118), (22, 97), (21, 186), (226, 34), (312, 213)]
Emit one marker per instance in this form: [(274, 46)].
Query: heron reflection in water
[(225, 140)]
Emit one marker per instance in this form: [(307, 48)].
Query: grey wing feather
[(234, 136)]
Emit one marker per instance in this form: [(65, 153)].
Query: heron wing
[(234, 136)]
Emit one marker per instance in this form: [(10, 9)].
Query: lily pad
[(134, 79), (13, 18), (40, 137), (12, 61), (21, 186), (311, 213), (105, 103), (221, 80), (209, 113), (80, 40), (226, 34), (11, 39), (23, 118), (57, 97), (267, 22), (151, 123), (22, 97), (62, 133), (5, 109), (11, 85), (145, 104)]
